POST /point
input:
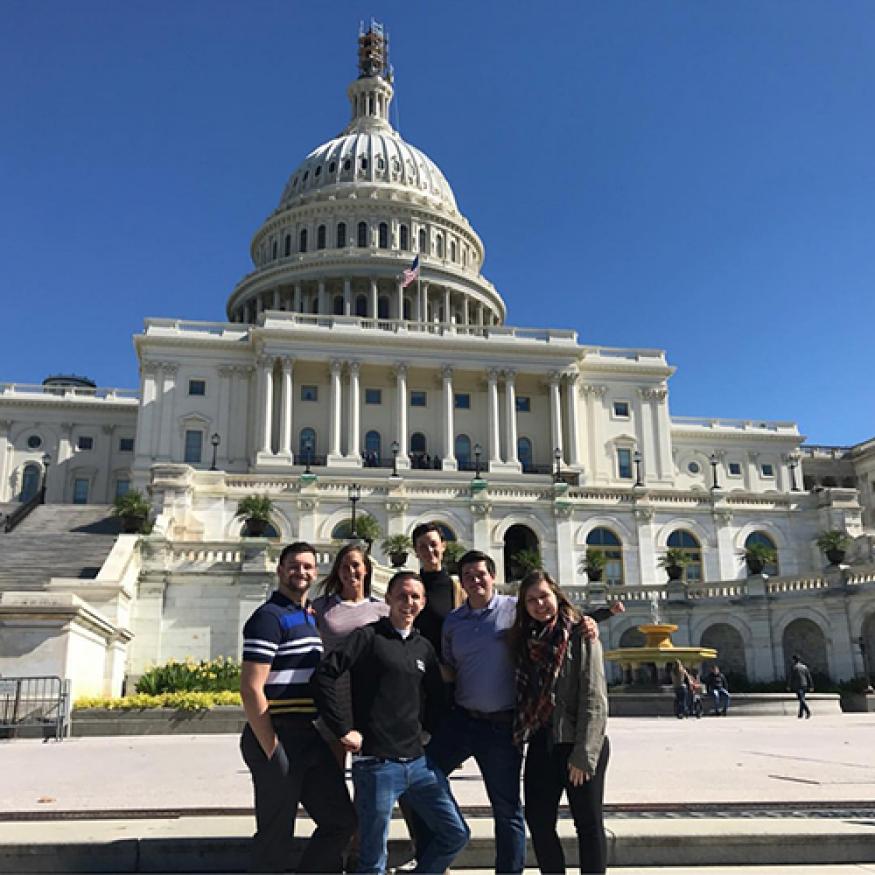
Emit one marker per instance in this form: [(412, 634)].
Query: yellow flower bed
[(183, 701)]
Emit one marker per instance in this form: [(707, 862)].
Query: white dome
[(378, 157)]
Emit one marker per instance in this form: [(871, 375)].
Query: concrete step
[(220, 844), (56, 518)]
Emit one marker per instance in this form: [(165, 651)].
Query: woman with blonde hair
[(562, 709)]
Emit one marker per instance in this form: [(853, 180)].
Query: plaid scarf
[(536, 674)]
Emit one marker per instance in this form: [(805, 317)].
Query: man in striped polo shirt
[(289, 761)]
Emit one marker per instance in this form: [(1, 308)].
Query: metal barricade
[(34, 706)]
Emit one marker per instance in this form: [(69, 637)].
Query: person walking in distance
[(561, 712), (801, 683), (397, 692), (288, 759)]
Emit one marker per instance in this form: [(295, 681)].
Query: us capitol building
[(335, 369)]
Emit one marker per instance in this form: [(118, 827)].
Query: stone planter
[(222, 719), (755, 566), (398, 559), (132, 524), (594, 575), (255, 528), (674, 572), (836, 557)]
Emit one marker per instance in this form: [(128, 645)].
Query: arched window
[(273, 250), (338, 305), (689, 543), (383, 307), (604, 541), (341, 235), (320, 237), (462, 451), (439, 245), (302, 240), (423, 240), (361, 305), (524, 453), (403, 237), (770, 568), (30, 481), (373, 448), (363, 234), (307, 444), (383, 235), (452, 250), (287, 247)]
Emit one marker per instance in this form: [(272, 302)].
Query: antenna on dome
[(374, 51)]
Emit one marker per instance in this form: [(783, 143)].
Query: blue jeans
[(457, 739), (378, 783), (721, 700)]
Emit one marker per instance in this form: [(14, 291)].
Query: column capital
[(447, 372), (492, 375), (226, 370), (150, 368), (336, 366), (354, 367), (508, 375), (265, 361), (107, 429), (597, 391), (400, 370), (5, 425), (288, 362), (570, 377), (554, 378), (169, 369), (653, 393)]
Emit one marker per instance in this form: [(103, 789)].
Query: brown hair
[(523, 624), (332, 584)]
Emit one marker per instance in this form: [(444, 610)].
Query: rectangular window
[(122, 487), (735, 469), (197, 387), (373, 396), (85, 443), (309, 393), (768, 470), (621, 409), (418, 399), (523, 404), (194, 443), (126, 445), (624, 463), (462, 401), (80, 491)]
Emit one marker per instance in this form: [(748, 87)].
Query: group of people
[(412, 687), (688, 691)]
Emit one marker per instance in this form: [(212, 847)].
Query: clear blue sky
[(696, 176)]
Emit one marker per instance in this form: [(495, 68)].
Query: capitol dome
[(355, 214)]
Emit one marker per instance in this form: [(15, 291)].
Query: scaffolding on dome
[(374, 51)]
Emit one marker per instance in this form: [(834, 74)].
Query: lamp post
[(396, 447), (557, 456), (47, 460), (215, 440), (354, 491), (308, 452), (793, 462), (637, 457), (477, 450), (714, 459)]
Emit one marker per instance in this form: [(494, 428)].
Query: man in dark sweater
[(397, 691), (441, 591)]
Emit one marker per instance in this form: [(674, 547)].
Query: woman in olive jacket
[(562, 709)]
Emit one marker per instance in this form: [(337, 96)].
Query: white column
[(466, 313), (510, 412), (297, 302), (109, 431), (5, 425), (347, 296), (661, 433), (417, 303), (494, 433), (57, 491), (449, 461), (286, 411), (556, 416), (223, 411), (265, 403), (324, 309), (594, 411), (353, 446), (571, 415), (423, 304), (447, 303), (145, 437), (399, 293), (276, 298), (374, 306), (168, 396), (334, 414), (401, 414)]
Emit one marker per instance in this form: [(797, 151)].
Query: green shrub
[(214, 676), (190, 701)]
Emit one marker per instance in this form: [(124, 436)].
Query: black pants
[(302, 770), (546, 776), (803, 705)]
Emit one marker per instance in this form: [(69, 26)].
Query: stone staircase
[(56, 540)]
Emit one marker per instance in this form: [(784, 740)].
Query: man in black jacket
[(397, 691)]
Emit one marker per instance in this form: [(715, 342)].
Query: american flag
[(410, 274)]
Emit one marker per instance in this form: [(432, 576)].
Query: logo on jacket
[(420, 665)]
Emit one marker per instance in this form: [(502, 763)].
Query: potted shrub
[(132, 509), (593, 565), (758, 556), (524, 561), (255, 509), (834, 544), (396, 547), (367, 529), (674, 560), (453, 552)]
